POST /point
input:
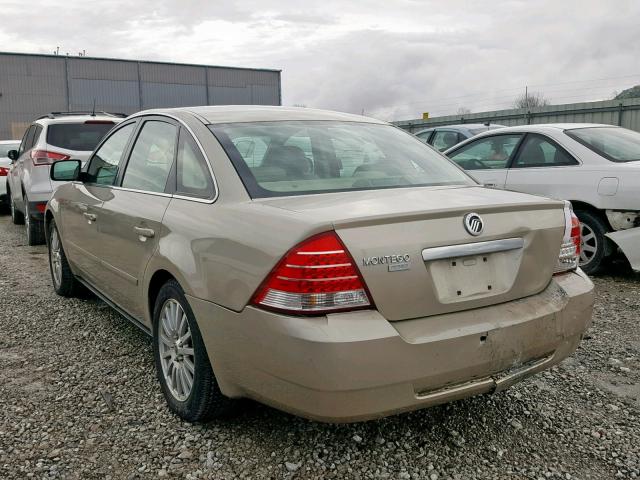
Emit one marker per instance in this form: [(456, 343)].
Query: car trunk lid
[(400, 240)]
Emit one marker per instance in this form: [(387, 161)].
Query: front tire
[(35, 228), (182, 364), (593, 250), (64, 281)]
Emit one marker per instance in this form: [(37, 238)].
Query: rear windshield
[(303, 157), (5, 147), (615, 144), (77, 136)]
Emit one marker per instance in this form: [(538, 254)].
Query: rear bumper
[(357, 366), (629, 242)]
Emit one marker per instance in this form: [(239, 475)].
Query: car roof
[(4, 142), (462, 126), (260, 113), (550, 126)]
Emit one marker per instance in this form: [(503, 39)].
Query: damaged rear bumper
[(629, 242)]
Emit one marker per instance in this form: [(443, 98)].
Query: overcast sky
[(393, 59)]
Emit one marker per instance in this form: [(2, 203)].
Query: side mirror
[(13, 155), (65, 170)]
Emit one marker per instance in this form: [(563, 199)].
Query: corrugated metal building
[(32, 85)]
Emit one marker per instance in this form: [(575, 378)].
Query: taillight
[(45, 157), (4, 171), (570, 249), (316, 276)]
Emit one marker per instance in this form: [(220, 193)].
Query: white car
[(53, 137), (5, 165), (596, 167)]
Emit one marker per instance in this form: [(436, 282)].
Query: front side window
[(612, 143), (486, 153), (103, 168), (78, 136), (192, 172), (444, 139), (151, 157), (537, 151), (300, 157)]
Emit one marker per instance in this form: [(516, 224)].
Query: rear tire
[(593, 251), (16, 216), (35, 228), (64, 281), (181, 360)]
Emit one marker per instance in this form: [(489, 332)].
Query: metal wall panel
[(176, 74), (229, 95), (625, 113), (116, 96), (102, 69), (34, 85), (155, 95)]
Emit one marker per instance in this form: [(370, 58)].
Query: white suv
[(57, 136)]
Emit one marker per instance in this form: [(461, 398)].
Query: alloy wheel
[(27, 216), (589, 244), (55, 257), (176, 350)]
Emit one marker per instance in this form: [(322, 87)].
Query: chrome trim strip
[(468, 249), (134, 190), (204, 154)]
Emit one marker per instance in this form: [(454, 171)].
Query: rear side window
[(151, 157), (27, 140), (77, 136), (192, 171), (537, 151), (486, 153), (104, 165)]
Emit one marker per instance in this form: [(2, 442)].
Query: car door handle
[(90, 217), (144, 232)]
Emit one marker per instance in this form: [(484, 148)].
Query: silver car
[(51, 138), (442, 138)]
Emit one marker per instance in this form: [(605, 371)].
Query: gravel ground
[(79, 399)]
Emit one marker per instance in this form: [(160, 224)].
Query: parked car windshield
[(298, 157), (5, 147), (615, 144), (77, 136)]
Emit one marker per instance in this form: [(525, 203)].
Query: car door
[(17, 171), (129, 218), (541, 166), (487, 159), (80, 210)]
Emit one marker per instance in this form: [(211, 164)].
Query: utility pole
[(526, 96)]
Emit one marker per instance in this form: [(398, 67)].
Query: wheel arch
[(580, 205), (157, 280)]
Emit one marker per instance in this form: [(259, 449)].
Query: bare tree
[(530, 99), (463, 111)]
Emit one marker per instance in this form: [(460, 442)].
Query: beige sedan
[(326, 264)]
